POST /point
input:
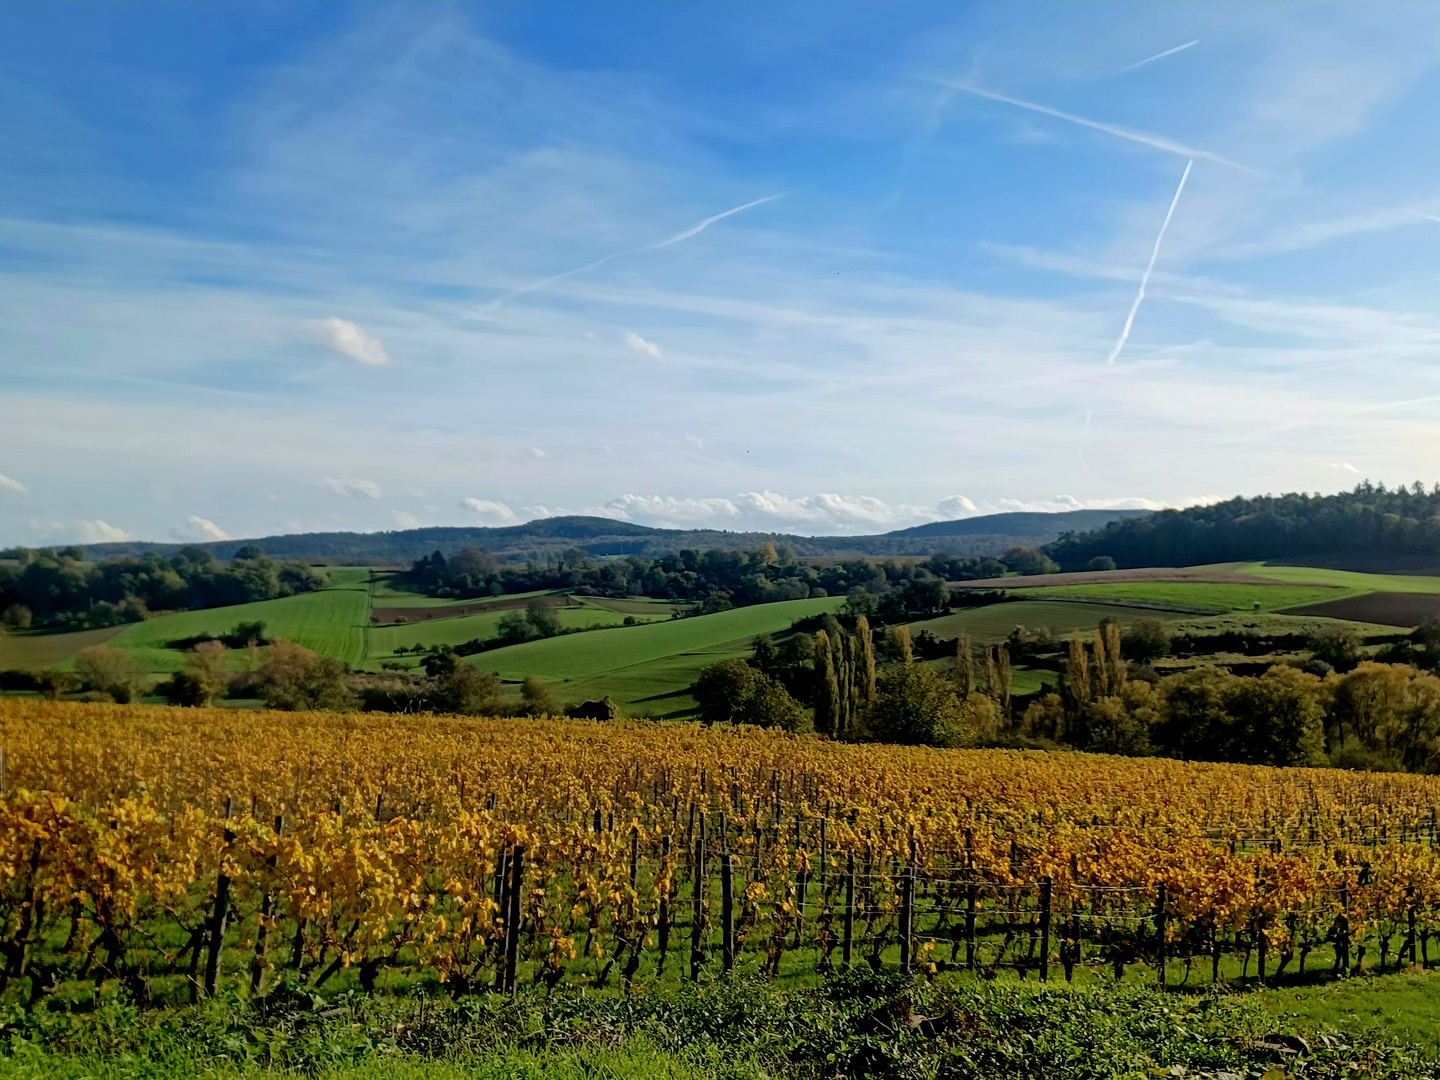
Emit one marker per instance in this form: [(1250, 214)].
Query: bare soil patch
[(1120, 577), (388, 616), (1386, 608)]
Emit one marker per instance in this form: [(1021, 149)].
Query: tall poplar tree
[(964, 666)]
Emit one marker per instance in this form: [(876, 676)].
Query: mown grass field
[(331, 622), (647, 665), (1202, 595), (384, 640), (992, 624), (34, 650)]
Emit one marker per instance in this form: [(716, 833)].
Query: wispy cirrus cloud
[(353, 487), (13, 486)]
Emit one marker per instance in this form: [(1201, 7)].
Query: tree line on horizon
[(719, 579), (1371, 519)]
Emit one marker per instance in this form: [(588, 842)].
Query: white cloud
[(353, 488), (490, 513), (640, 345), (99, 532), (7, 484), (1345, 466), (767, 511), (198, 528), (956, 506), (405, 520), (352, 341)]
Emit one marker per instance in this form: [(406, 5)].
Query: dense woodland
[(1370, 520), (718, 579), (63, 589)]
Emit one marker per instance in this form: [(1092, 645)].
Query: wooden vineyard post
[(218, 917), (1342, 931), (1160, 917), (727, 911), (849, 941), (512, 921), (634, 856), (697, 922), (1046, 891), (802, 885), (907, 916), (664, 928), (262, 929), (970, 899), (1410, 914)]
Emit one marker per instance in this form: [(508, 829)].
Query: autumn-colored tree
[(108, 670)]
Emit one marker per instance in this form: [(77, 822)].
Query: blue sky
[(280, 267)]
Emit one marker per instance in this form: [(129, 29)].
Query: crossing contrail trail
[(685, 234), (1159, 142), (1145, 278), (1158, 56)]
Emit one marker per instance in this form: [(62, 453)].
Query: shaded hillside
[(1369, 521), (1020, 523), (987, 535)]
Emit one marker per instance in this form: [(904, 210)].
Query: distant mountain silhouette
[(1021, 523), (988, 534)]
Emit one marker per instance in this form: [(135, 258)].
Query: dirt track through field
[(1385, 608), (388, 616), (1120, 577)]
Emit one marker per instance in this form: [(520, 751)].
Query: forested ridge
[(1371, 519)]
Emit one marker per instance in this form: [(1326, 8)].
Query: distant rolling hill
[(985, 535)]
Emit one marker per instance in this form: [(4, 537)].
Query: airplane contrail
[(683, 235), (1145, 278), (1158, 56), (1159, 142)]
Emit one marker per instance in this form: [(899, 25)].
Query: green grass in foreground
[(640, 664), (1204, 595), (331, 621), (857, 1024), (1403, 1006)]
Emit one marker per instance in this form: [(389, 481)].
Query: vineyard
[(179, 852)]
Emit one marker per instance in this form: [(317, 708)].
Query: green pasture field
[(1353, 582), (632, 605), (991, 624), (648, 665), (345, 577), (386, 595), (331, 621), (384, 640), (1204, 596)]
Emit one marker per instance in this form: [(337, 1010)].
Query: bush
[(294, 678), (538, 699), (915, 705), (1338, 646), (111, 671), (733, 692), (1147, 639), (1101, 562), (16, 617)]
